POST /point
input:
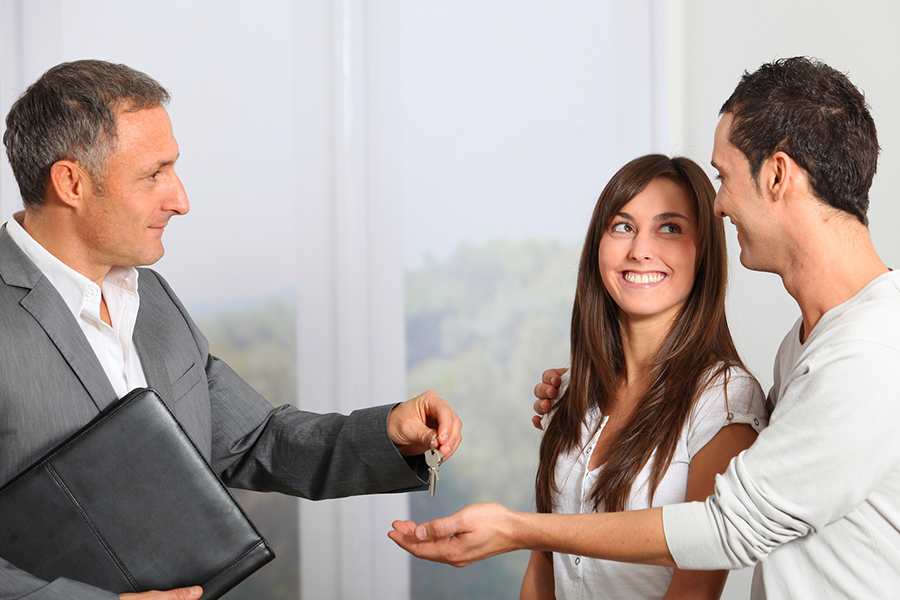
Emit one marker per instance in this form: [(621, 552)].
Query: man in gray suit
[(93, 152)]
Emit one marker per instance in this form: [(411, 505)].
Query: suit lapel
[(44, 303), (150, 347), (49, 310)]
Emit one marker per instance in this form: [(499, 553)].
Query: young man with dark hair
[(815, 501)]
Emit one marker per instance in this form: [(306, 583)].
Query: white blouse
[(578, 577)]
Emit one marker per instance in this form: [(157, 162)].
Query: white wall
[(10, 88), (721, 40)]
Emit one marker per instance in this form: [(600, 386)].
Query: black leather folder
[(128, 504)]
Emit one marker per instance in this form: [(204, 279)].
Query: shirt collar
[(77, 291)]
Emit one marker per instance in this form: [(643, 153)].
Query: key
[(433, 459)]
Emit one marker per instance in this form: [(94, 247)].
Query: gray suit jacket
[(51, 384)]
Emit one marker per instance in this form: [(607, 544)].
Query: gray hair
[(70, 113)]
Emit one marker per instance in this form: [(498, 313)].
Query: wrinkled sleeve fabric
[(260, 447), (831, 440), (315, 456)]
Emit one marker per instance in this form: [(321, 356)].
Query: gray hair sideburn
[(70, 114)]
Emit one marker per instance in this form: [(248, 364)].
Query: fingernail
[(421, 533)]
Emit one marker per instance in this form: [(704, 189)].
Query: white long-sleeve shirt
[(113, 345), (816, 500)]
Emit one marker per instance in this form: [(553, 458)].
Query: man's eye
[(622, 228), (670, 228), (155, 175)]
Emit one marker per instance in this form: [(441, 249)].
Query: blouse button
[(756, 421), (577, 560)]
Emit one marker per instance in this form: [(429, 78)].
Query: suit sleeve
[(283, 449), (16, 584)]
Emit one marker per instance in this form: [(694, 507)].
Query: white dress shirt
[(113, 345), (583, 578)]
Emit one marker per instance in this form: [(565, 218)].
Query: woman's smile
[(643, 279)]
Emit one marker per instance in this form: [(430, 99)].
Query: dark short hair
[(812, 112), (70, 113)]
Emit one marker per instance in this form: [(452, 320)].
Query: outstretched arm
[(479, 531), (761, 502)]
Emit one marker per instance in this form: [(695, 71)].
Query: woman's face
[(649, 250)]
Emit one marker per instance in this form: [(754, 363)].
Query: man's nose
[(178, 201), (717, 206)]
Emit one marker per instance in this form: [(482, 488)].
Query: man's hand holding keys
[(425, 422)]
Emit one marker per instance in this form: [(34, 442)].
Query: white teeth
[(644, 278)]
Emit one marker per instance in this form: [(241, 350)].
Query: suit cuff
[(395, 472)]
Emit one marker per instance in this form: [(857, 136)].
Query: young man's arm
[(830, 442)]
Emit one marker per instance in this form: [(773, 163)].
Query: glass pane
[(497, 149), (258, 342), (481, 324)]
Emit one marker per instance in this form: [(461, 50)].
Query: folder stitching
[(60, 482)]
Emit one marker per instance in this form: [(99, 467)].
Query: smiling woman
[(658, 400), (651, 244), (657, 403)]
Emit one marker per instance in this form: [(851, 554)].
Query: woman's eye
[(670, 228), (622, 228)]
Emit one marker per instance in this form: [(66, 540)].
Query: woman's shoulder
[(729, 395), (733, 380)]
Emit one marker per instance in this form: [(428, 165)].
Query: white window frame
[(350, 301)]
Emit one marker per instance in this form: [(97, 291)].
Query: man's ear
[(781, 174), (68, 182)]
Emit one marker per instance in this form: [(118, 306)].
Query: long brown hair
[(697, 348)]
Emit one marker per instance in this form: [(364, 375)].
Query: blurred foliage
[(481, 327), (259, 342)]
